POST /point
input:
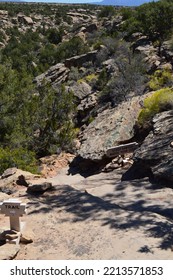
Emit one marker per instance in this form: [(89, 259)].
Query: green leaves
[(160, 79), (107, 11), (19, 157), (159, 101), (35, 119), (129, 78), (156, 18), (153, 19), (53, 115)]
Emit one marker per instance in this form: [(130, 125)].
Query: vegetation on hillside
[(161, 100)]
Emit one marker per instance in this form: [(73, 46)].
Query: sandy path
[(100, 217)]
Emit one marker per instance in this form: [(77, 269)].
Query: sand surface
[(98, 217)]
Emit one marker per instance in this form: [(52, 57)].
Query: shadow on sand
[(156, 219)]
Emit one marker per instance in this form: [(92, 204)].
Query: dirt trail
[(99, 217)]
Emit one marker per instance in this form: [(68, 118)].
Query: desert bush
[(74, 74), (153, 19), (20, 158), (54, 36), (128, 80), (91, 79), (107, 11), (102, 80), (160, 79), (126, 13), (25, 109), (159, 101), (74, 46)]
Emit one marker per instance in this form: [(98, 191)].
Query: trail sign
[(13, 208)]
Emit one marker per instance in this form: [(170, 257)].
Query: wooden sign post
[(13, 208)]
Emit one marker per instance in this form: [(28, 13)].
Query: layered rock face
[(156, 152), (56, 75), (110, 128), (77, 61)]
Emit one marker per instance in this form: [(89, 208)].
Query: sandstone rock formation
[(56, 74), (167, 51), (39, 188), (77, 61), (9, 251), (25, 19), (156, 151), (81, 90), (151, 57), (12, 178), (108, 129)]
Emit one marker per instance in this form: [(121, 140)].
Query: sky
[(86, 1), (64, 1)]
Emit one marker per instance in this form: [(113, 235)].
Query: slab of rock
[(24, 19), (27, 236), (3, 196), (8, 172), (109, 128), (156, 152), (85, 106), (39, 187), (8, 184), (81, 90), (79, 60), (145, 47), (167, 52), (91, 27), (9, 251), (55, 74)]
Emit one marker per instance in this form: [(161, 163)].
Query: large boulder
[(39, 188), (167, 52), (56, 75), (144, 46), (12, 178), (79, 60), (111, 127), (156, 152), (81, 90), (25, 19)]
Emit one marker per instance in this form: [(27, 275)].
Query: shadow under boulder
[(137, 171), (87, 167), (155, 155)]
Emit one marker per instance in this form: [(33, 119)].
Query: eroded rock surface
[(109, 128), (156, 152), (56, 75), (9, 251)]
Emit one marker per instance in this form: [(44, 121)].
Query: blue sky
[(64, 1), (87, 1)]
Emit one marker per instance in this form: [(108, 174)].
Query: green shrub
[(91, 79), (126, 12), (74, 74), (90, 119), (102, 79), (107, 11), (54, 36), (159, 101), (160, 79), (20, 158), (97, 44)]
